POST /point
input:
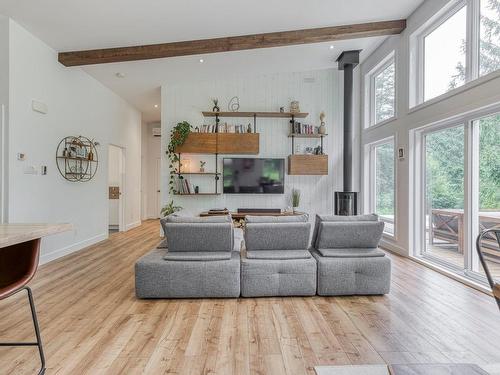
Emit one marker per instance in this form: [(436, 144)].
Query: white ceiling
[(73, 25)]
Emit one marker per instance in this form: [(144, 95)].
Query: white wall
[(77, 105), (263, 93), (4, 105), (472, 96)]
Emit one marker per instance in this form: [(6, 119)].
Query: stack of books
[(184, 186), (298, 128), (223, 128)]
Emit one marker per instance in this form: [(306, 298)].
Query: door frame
[(123, 192)]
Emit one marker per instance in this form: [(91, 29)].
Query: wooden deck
[(92, 323)]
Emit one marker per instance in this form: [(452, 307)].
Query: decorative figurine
[(216, 107), (282, 109), (322, 128), (249, 128), (294, 106)]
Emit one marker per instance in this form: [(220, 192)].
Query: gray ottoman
[(156, 277), (339, 276), (279, 273)]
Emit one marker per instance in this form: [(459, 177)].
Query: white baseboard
[(391, 246), (135, 224), (56, 254)]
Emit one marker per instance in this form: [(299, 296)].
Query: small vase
[(202, 170), (322, 129)]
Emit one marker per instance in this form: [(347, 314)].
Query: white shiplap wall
[(316, 90)]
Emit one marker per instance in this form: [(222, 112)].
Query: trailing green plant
[(295, 198), (170, 209), (178, 136)]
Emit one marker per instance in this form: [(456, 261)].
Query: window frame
[(370, 183), (472, 51), (370, 98), (469, 121)]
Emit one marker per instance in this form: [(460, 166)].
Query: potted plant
[(295, 199), (170, 209), (178, 136), (202, 166)]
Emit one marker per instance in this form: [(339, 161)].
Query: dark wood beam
[(232, 43)]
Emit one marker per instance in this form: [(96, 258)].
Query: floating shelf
[(257, 114), (295, 135), (199, 173), (194, 194), (312, 165)]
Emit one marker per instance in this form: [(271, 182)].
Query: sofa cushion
[(278, 254), (338, 218), (199, 236), (277, 236), (363, 234), (277, 219), (351, 253), (200, 256)]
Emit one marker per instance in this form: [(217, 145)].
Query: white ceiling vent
[(156, 132)]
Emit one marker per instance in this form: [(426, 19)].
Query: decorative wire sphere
[(77, 159), (234, 104)]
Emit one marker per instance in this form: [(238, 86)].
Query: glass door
[(486, 190), (443, 204)]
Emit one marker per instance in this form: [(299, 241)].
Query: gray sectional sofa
[(203, 261)]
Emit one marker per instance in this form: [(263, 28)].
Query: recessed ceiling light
[(332, 46), (156, 105), (120, 75), (202, 61)]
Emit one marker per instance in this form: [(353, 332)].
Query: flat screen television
[(254, 176)]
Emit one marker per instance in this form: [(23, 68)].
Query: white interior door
[(116, 179)]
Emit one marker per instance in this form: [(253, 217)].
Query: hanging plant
[(178, 136)]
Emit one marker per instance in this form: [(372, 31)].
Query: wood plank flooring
[(92, 323)]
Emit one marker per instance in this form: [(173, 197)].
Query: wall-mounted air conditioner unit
[(156, 132)]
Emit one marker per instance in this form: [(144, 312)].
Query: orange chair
[(495, 287), (18, 265)]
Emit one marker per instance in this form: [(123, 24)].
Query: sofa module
[(349, 261), (199, 263), (276, 261)]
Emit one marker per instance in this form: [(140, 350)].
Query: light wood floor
[(92, 323)]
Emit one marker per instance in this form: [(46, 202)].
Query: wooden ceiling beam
[(232, 43)]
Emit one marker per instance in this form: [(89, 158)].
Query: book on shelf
[(298, 128), (184, 186), (223, 128)]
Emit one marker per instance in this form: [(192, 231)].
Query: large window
[(381, 92), (457, 46), (489, 58), (444, 55), (381, 184), (458, 164)]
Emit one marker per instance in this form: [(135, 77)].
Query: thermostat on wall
[(39, 107)]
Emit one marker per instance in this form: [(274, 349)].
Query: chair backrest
[(18, 265), (495, 288)]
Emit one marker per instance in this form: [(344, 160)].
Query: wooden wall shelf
[(296, 135), (312, 165), (221, 143), (257, 114)]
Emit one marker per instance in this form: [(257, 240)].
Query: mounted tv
[(254, 176)]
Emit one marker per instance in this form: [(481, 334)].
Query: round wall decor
[(77, 159)]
